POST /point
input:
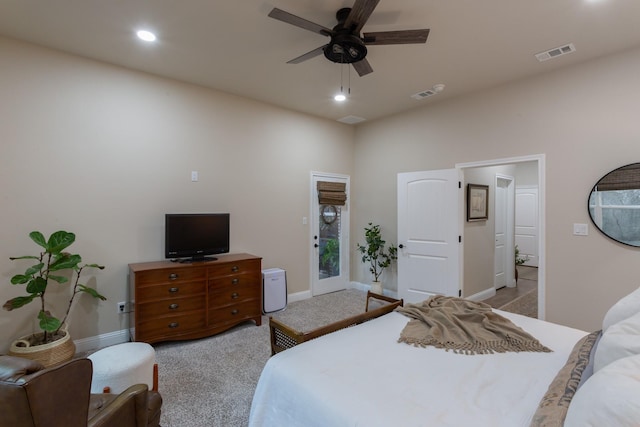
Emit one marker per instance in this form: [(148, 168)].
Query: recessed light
[(147, 36)]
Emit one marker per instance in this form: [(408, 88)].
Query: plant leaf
[(48, 322), (37, 286), (20, 279), (37, 237), (91, 291), (65, 261), (59, 279), (59, 241), (17, 302), (34, 269), (23, 257), (101, 267)]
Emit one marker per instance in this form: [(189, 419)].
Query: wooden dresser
[(174, 301)]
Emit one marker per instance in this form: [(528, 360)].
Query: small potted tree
[(53, 345), (375, 253)]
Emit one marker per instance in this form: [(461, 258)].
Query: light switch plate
[(580, 230)]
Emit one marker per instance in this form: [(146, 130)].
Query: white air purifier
[(274, 290)]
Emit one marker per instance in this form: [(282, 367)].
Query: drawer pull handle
[(173, 276), (173, 306), (234, 312), (174, 325), (173, 290), (235, 281), (235, 269), (234, 295)]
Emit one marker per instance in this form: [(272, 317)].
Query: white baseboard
[(298, 296), (487, 293), (365, 287), (101, 341)]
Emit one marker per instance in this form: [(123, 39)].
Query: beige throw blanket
[(467, 327)]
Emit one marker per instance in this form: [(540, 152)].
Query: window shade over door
[(332, 193)]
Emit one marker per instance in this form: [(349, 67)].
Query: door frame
[(540, 159), (345, 229), (510, 279)]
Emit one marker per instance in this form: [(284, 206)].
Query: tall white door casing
[(429, 254), (501, 234)]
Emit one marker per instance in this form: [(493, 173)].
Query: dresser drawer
[(169, 307), (236, 267), (233, 295), (234, 281), (170, 325), (170, 275), (234, 313), (170, 290)]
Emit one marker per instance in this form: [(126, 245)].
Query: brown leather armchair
[(32, 396)]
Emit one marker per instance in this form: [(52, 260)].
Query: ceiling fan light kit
[(346, 45)]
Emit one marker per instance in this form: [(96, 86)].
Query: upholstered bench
[(119, 366)]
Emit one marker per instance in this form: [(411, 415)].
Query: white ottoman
[(123, 365)]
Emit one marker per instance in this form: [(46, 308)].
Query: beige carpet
[(210, 381)]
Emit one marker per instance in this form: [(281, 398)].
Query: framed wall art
[(477, 202)]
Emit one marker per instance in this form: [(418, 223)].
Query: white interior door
[(428, 234), (527, 223), (329, 240), (500, 267), (504, 231)]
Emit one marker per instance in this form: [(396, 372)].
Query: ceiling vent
[(555, 52), (351, 120), (425, 94), (436, 89)]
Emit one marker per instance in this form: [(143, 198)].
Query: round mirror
[(614, 204), (329, 214)]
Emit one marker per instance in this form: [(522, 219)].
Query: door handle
[(315, 245), (401, 246)]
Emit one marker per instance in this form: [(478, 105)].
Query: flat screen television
[(193, 237)]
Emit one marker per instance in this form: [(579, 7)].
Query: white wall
[(105, 152), (584, 119)]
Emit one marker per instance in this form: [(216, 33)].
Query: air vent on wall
[(555, 52)]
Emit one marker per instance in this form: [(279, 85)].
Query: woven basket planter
[(49, 354)]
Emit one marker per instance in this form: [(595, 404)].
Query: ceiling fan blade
[(283, 16), (308, 55), (362, 67), (396, 37), (360, 13)]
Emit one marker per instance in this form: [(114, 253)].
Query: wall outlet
[(121, 306)]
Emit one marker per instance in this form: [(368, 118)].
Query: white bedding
[(361, 376)]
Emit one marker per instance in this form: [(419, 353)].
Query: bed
[(361, 376)]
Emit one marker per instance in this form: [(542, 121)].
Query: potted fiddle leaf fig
[(375, 253), (52, 267)]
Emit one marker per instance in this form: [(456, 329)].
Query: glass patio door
[(330, 236)]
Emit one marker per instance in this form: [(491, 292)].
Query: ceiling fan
[(346, 45)]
